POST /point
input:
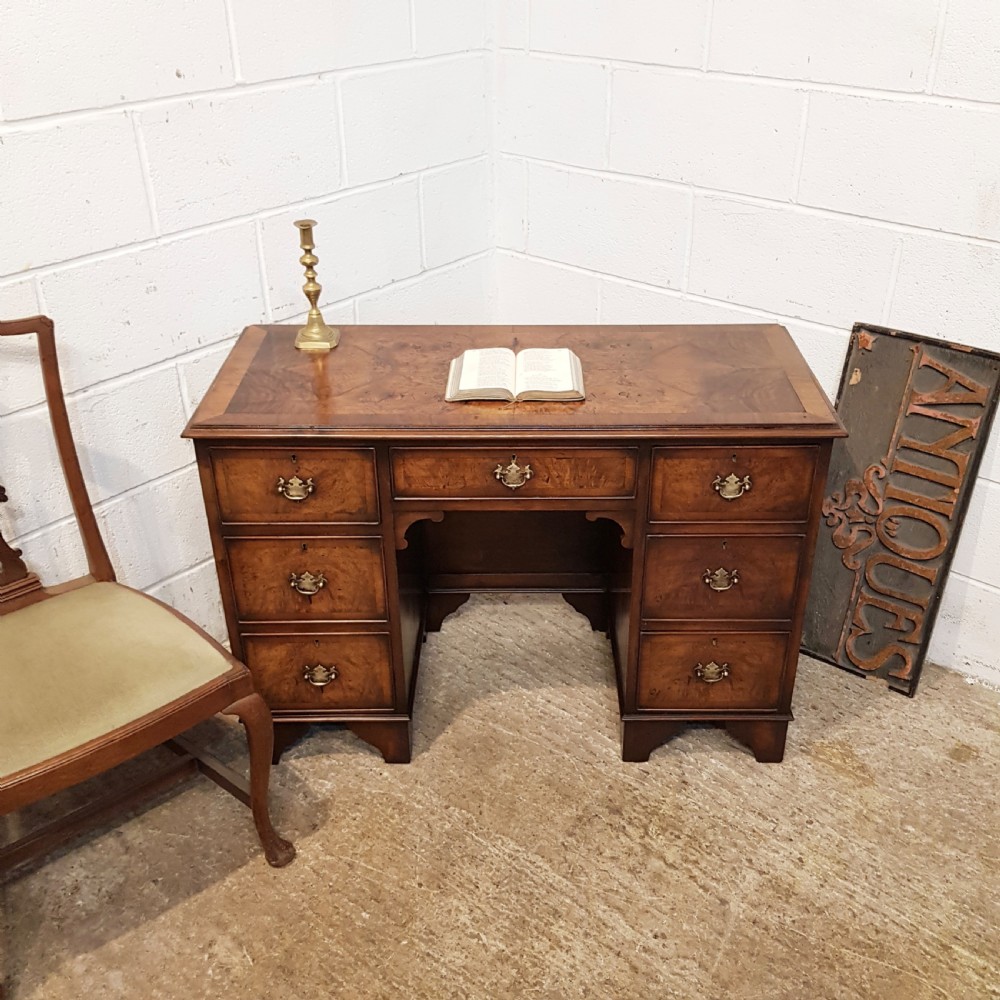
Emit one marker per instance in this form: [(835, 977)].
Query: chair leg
[(253, 712)]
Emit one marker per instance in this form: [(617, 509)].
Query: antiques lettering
[(900, 510)]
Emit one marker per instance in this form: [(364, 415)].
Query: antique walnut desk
[(351, 509)]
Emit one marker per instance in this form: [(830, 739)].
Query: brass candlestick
[(315, 335)]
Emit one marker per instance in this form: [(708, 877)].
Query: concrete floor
[(517, 856)]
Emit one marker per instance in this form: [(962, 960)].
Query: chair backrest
[(18, 586)]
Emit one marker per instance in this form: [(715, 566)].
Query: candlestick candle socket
[(315, 335)]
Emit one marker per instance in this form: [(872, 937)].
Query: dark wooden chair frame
[(231, 693)]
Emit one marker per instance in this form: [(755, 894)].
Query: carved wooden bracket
[(15, 580), (11, 565), (622, 518), (404, 521)]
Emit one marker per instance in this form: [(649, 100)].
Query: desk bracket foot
[(285, 735), (765, 739), (391, 739), (594, 607), (439, 606), (641, 737)]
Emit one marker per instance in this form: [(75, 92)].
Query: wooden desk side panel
[(630, 624), (213, 513), (805, 570), (406, 602)]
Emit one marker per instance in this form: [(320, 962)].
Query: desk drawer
[(748, 577), (343, 671), (345, 581), (491, 473), (306, 485), (732, 484), (712, 671)]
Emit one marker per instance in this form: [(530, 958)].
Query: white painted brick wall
[(27, 445), (197, 369), (468, 160), (61, 57), (510, 178), (532, 291), (975, 557), (20, 385), (69, 189), (120, 313), (946, 287), (403, 119), (195, 593), (454, 293), (928, 165), (857, 43), (130, 418), (546, 109), (209, 161), (990, 467), (799, 264), (705, 130), (666, 32), (825, 163), (512, 24), (307, 37), (615, 225), (449, 25), (152, 160), (452, 202), (970, 51)]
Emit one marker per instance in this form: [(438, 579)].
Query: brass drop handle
[(307, 583), (721, 579), (295, 488), (513, 476), (711, 672), (732, 486), (319, 675)]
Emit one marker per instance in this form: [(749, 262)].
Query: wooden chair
[(93, 673)]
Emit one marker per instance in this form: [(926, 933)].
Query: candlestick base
[(317, 337)]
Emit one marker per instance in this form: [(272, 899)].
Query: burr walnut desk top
[(351, 509)]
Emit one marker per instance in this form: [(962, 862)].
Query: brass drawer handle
[(711, 672), (319, 675), (732, 486), (721, 579), (307, 583), (295, 488), (513, 476)]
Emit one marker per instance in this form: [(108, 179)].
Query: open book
[(499, 373)]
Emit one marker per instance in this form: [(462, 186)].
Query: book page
[(490, 368), (544, 370)]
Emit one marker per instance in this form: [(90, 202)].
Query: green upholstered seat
[(76, 666)]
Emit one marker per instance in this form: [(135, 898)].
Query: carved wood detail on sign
[(919, 412)]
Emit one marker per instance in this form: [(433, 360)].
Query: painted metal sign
[(919, 412)]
